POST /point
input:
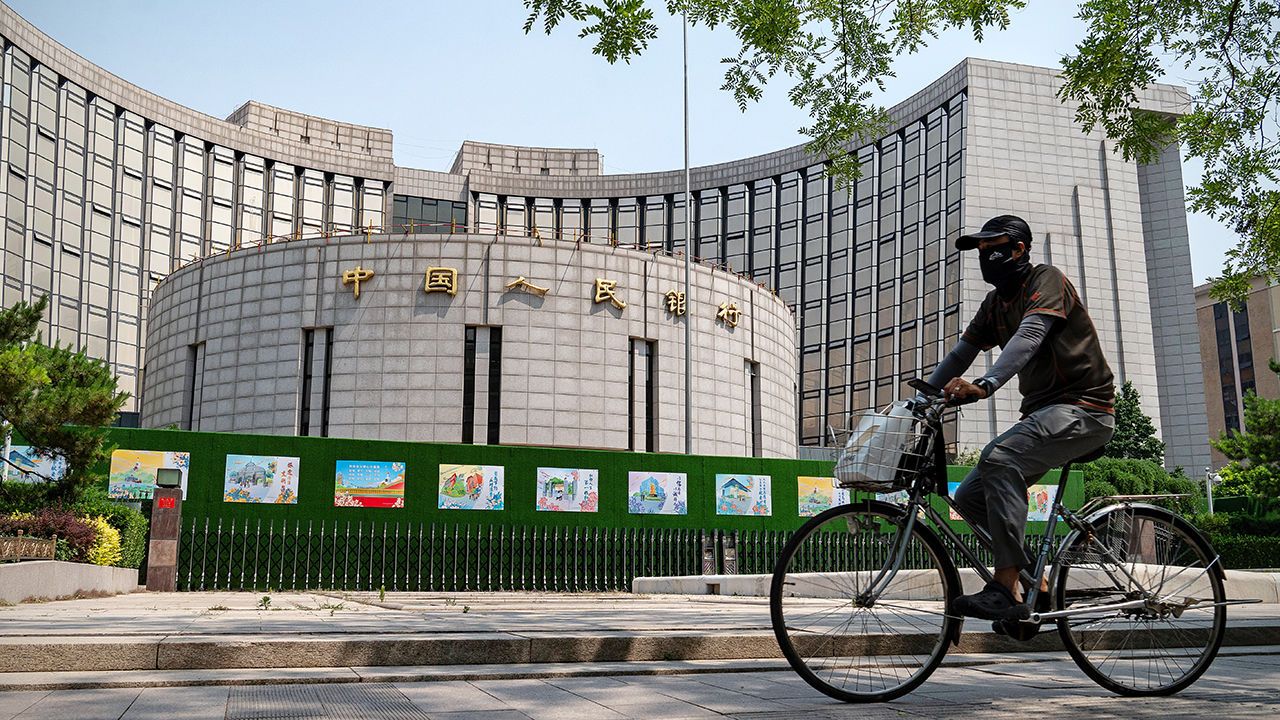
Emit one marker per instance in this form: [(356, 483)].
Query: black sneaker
[(1022, 629), (994, 602)]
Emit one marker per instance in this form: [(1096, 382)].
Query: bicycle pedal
[(1016, 629)]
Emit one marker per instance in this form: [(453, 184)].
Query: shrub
[(21, 496), (105, 549), (129, 523), (1247, 551), (1218, 523), (1129, 477), (78, 534), (1098, 488)]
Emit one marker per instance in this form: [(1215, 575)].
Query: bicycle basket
[(885, 451)]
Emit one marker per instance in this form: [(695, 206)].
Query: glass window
[(486, 213), (600, 227), (628, 234), (709, 225), (515, 219), (655, 222), (342, 212), (571, 219), (373, 202), (544, 218)]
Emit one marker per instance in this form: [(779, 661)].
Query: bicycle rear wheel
[(1146, 555), (844, 640)]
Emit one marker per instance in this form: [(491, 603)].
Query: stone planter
[(54, 579)]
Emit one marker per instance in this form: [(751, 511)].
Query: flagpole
[(688, 250)]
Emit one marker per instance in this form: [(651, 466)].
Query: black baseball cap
[(1012, 225)]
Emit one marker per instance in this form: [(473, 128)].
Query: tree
[(1255, 453), (837, 52), (1135, 436), (58, 400)]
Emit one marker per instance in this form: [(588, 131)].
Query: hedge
[(1241, 552)]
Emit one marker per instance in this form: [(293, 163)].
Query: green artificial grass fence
[(318, 457)]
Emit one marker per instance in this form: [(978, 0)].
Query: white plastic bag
[(873, 453)]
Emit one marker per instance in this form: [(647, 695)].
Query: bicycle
[(861, 593)]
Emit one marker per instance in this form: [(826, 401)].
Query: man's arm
[(1021, 347), (954, 364), (1016, 353)]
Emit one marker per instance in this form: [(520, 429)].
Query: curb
[(35, 681), (98, 654)]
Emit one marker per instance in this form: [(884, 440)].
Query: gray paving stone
[(180, 703), (447, 696), (13, 703), (81, 705)]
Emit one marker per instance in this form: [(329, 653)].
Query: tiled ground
[(1237, 686)]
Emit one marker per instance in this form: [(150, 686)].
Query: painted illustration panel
[(819, 494), (368, 484), (33, 467), (471, 487), (568, 490), (1039, 501), (657, 493), (133, 472), (898, 497), (743, 495), (951, 490), (261, 479)]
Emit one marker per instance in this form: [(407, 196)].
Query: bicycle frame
[(918, 505)]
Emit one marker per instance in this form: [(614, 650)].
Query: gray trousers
[(994, 495)]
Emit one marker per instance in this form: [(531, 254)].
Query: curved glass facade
[(101, 202)]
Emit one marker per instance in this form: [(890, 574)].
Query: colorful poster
[(261, 479), (471, 487), (568, 490), (898, 497), (1040, 502), (951, 490), (33, 467), (368, 483), (133, 472), (819, 494), (743, 495), (657, 493)]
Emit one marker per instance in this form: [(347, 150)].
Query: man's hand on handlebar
[(960, 392)]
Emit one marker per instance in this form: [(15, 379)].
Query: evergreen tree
[(56, 399), (1255, 453), (1135, 437)]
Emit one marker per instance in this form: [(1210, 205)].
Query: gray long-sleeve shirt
[(1020, 348)]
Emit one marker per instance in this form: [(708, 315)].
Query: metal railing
[(255, 555)]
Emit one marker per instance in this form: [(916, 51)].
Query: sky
[(436, 73)]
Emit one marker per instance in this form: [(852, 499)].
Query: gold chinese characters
[(441, 279), (355, 277), (729, 314), (522, 283), (675, 302), (606, 290)]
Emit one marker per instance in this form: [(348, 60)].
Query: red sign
[(165, 502)]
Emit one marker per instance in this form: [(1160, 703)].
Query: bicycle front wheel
[(850, 622), (1168, 578)]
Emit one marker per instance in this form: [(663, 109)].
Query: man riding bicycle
[(1046, 338)]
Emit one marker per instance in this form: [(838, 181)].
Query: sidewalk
[(1004, 688), (161, 638)]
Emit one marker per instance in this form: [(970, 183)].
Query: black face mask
[(999, 267)]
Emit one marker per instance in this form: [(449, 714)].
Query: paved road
[(1042, 686)]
